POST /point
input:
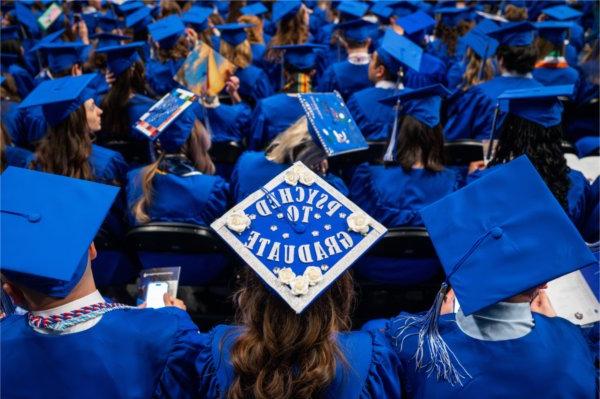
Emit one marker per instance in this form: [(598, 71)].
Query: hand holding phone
[(155, 294)]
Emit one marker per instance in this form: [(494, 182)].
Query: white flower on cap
[(307, 177), (238, 221), (313, 274), (358, 222), (292, 175), (300, 285), (286, 275)]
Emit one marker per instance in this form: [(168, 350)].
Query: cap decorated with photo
[(298, 233)]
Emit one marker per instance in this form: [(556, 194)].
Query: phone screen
[(155, 293)]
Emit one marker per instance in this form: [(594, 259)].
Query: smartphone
[(155, 293)]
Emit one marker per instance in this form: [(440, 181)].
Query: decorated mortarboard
[(233, 33), (254, 9), (49, 38), (10, 33), (121, 57), (415, 23), (553, 31), (514, 33), (284, 9), (197, 17), (48, 222), (330, 123), (59, 97), (167, 31), (63, 55), (353, 9), (539, 105), (299, 234), (423, 104), (358, 30), (497, 237), (401, 50), (108, 22), (483, 45), (301, 57), (50, 16), (562, 13), (139, 19), (109, 39), (158, 119), (451, 16)]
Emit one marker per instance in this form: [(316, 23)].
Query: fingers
[(170, 300), (541, 304)]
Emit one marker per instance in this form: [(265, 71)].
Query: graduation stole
[(552, 61), (301, 83)]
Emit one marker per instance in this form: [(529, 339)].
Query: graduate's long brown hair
[(474, 64), (418, 142), (449, 34), (290, 30), (281, 354)]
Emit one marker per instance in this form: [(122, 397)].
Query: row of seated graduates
[(238, 123)]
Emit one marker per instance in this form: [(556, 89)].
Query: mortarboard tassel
[(389, 152)]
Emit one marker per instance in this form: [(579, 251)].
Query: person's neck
[(359, 50), (85, 287)]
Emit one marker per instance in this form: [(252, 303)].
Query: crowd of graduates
[(517, 78)]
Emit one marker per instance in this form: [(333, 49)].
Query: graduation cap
[(587, 146), (396, 49), (121, 57), (483, 45), (59, 97), (330, 123), (109, 39), (497, 237), (48, 222), (139, 20), (233, 33), (167, 31), (485, 26), (514, 34), (358, 30), (539, 105), (353, 9), (254, 9), (129, 7), (63, 55), (26, 17), (284, 8), (298, 234), (553, 31), (562, 13), (197, 17), (451, 16), (107, 22), (10, 33), (91, 20), (402, 8), (301, 57), (415, 23), (423, 103), (49, 38), (381, 10)]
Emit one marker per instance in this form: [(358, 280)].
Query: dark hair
[(542, 145), (520, 59), (66, 148), (115, 118), (179, 50), (388, 75), (352, 44), (449, 34), (545, 47), (4, 142), (281, 354), (515, 14), (417, 142)]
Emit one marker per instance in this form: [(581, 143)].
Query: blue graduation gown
[(227, 122), (253, 170), (372, 117), (160, 75), (10, 114), (471, 113), (432, 71), (591, 229), (272, 116), (32, 126), (557, 76), (130, 353), (23, 79), (188, 198), (345, 77), (108, 166), (552, 361), (19, 157), (438, 49), (455, 75), (254, 84), (258, 54), (372, 373)]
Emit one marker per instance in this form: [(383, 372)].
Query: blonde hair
[(471, 75), (296, 144), (240, 55), (255, 33), (290, 30)]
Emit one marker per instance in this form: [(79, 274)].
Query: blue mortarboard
[(402, 8), (107, 22), (63, 55), (353, 9), (10, 33), (423, 103), (233, 33), (331, 125), (91, 20), (415, 23), (284, 8), (451, 16), (562, 13), (59, 97), (139, 19), (398, 49), (109, 39), (483, 45), (254, 9), (381, 10), (298, 233), (26, 17), (485, 26), (121, 57), (48, 222), (131, 6), (197, 17), (167, 31), (358, 30), (539, 105), (301, 57), (554, 31), (502, 235), (49, 38), (174, 136), (514, 34), (587, 146)]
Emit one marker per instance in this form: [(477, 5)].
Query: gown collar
[(508, 74), (359, 58), (499, 322), (386, 84), (177, 164)]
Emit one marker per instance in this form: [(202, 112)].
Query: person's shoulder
[(141, 99), (252, 157)]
